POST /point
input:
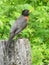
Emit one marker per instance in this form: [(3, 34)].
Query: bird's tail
[(9, 42), (8, 48), (10, 39)]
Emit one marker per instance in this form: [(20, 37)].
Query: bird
[(17, 27), (19, 24)]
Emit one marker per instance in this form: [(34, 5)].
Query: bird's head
[(25, 12)]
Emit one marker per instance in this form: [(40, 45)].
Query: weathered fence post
[(20, 53)]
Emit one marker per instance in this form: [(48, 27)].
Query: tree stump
[(19, 52)]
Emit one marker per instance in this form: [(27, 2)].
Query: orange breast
[(27, 18)]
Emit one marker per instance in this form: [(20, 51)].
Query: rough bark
[(19, 53)]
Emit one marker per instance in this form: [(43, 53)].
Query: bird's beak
[(30, 11)]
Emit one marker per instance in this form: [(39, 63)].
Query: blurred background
[(37, 30)]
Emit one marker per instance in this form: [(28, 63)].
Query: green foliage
[(37, 30)]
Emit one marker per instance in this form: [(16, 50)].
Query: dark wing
[(19, 29), (20, 23), (14, 27)]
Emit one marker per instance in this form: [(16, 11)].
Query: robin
[(19, 24), (17, 27)]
